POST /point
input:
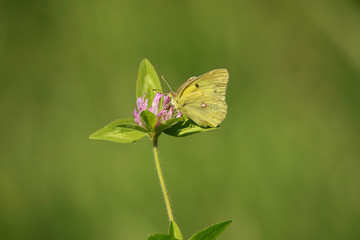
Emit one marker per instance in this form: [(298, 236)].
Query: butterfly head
[(172, 96)]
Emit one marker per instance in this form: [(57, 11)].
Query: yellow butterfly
[(202, 99)]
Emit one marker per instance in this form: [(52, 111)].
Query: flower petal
[(163, 112), (155, 104)]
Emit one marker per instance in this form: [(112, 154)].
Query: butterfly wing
[(202, 99), (205, 111)]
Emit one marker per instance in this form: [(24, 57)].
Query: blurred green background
[(284, 165)]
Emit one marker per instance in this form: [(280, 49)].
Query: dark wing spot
[(203, 105), (215, 91), (197, 85)]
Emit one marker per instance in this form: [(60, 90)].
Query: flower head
[(163, 112)]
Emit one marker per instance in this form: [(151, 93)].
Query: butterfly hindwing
[(207, 111)]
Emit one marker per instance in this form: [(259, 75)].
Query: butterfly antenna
[(166, 82), (157, 90)]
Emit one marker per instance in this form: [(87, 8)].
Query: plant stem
[(162, 181)]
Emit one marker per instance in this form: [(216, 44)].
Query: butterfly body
[(202, 99)]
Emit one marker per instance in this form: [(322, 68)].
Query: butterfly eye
[(197, 85)]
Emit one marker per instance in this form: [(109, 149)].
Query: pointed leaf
[(185, 128), (114, 133), (160, 236), (212, 232), (174, 231), (148, 119), (168, 124), (147, 81)]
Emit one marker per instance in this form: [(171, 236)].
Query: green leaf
[(160, 236), (174, 231), (168, 124), (115, 132), (185, 128), (148, 119), (147, 81), (134, 126), (212, 232)]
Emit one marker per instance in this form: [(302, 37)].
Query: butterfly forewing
[(214, 81), (202, 99)]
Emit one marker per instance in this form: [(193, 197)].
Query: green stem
[(162, 181)]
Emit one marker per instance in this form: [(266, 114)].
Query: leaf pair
[(209, 233)]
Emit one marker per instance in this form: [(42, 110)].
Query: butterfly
[(202, 99)]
